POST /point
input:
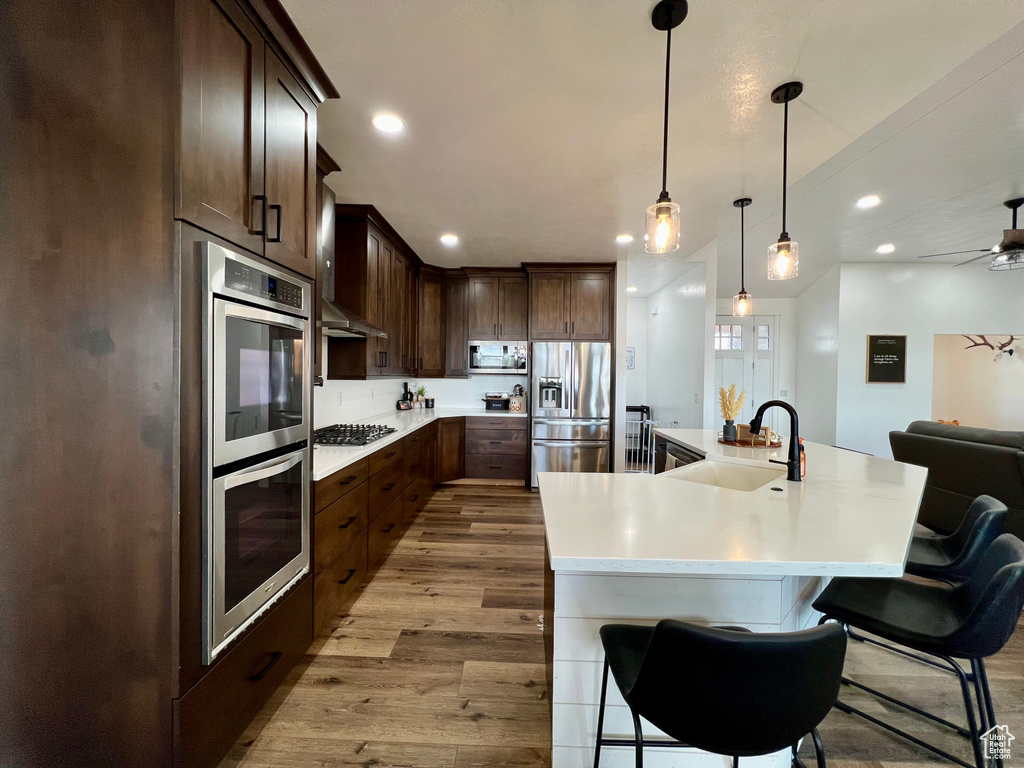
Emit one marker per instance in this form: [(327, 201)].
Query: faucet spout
[(793, 463)]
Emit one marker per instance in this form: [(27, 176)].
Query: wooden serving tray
[(749, 442)]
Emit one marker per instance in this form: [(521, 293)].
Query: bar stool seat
[(625, 646), (917, 615)]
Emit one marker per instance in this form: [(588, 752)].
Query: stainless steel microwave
[(507, 357)]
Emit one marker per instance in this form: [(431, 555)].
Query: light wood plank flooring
[(440, 662)]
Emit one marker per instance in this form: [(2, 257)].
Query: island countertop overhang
[(853, 515)]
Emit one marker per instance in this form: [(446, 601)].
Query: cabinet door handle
[(351, 573), (495, 331), (566, 326), (274, 658), (280, 215), (347, 480), (387, 528), (348, 523), (263, 215), (421, 362), (388, 487), (574, 327)]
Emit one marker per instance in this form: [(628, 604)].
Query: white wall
[(919, 300), (817, 358), (636, 337), (676, 346)]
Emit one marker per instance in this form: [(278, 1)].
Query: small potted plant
[(421, 391), (731, 404)]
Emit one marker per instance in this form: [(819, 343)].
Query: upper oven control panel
[(256, 282), (235, 275)]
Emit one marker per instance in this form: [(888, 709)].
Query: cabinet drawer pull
[(413, 498), (493, 467), (263, 215), (495, 442), (280, 215), (349, 522), (388, 487), (274, 658), (414, 467), (347, 480), (390, 454), (387, 528), (351, 573)]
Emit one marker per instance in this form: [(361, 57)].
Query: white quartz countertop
[(328, 459), (852, 515)]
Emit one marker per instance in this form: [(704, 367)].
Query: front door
[(745, 355)]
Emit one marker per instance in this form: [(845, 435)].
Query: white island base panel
[(585, 602)]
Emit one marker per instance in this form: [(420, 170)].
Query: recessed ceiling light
[(388, 123), (885, 248), (869, 201), (624, 239), (450, 240), (631, 289)]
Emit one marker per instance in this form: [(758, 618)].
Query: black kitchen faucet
[(793, 464)]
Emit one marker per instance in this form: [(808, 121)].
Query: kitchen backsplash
[(338, 402)]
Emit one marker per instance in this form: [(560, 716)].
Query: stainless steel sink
[(721, 474)]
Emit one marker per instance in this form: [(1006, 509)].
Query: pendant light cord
[(743, 249), (785, 162), (664, 145)]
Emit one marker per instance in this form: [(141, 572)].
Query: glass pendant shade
[(742, 304), (783, 259), (662, 230)]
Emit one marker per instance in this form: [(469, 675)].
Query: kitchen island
[(725, 540)]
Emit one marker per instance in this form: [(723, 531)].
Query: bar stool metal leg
[(600, 716), (819, 748), (639, 740)]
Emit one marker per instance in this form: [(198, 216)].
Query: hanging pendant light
[(662, 225), (784, 256), (742, 303)]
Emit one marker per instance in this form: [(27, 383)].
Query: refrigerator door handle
[(570, 443), (568, 378)]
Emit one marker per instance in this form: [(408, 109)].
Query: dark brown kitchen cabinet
[(497, 307), (457, 339), (247, 159), (220, 164), (482, 313), (575, 304), (513, 302), (411, 321), (325, 165), (290, 171), (590, 317), (451, 449), (431, 325), (549, 306)]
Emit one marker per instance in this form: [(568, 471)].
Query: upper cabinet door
[(290, 170), (456, 338), (549, 306), (513, 302), (483, 308), (220, 165), (431, 325), (591, 316)]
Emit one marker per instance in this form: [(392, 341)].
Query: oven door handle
[(263, 471)]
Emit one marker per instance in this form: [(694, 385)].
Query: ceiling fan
[(1009, 254)]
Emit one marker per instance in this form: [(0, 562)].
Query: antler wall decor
[(999, 347)]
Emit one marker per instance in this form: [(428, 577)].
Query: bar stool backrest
[(990, 602), (985, 520), (738, 693)]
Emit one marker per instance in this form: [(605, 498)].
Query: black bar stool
[(690, 681), (971, 621), (953, 558)]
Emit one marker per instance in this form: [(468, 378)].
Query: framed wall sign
[(630, 358), (887, 360)]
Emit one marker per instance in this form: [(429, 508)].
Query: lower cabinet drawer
[(414, 464), (494, 466), (386, 486), (383, 534), (335, 587), (412, 501), (214, 712), (337, 526), (503, 441)]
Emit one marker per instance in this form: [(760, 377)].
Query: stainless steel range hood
[(336, 321)]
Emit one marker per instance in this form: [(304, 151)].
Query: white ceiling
[(534, 126)]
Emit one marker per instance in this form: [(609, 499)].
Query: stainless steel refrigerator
[(571, 405)]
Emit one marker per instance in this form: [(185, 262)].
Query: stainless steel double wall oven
[(257, 366)]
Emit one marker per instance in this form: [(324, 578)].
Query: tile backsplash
[(344, 401)]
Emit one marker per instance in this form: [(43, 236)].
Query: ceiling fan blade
[(986, 253), (955, 253)]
